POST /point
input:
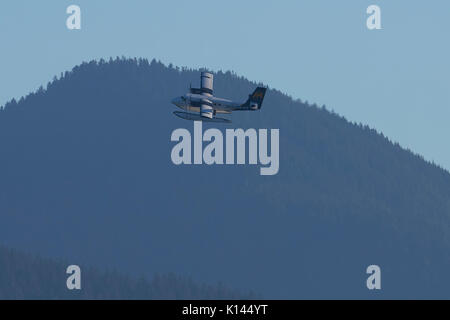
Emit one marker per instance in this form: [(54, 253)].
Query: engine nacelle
[(206, 83), (206, 109)]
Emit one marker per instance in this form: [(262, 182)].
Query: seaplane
[(202, 105)]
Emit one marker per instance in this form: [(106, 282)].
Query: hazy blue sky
[(395, 79)]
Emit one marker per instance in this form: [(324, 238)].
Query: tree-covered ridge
[(86, 173), (26, 276)]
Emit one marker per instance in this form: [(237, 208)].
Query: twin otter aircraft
[(206, 106)]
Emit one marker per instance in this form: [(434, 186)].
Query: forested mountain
[(86, 176), (24, 276)]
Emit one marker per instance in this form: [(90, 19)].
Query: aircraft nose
[(176, 101)]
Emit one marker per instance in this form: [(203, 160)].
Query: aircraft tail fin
[(255, 100)]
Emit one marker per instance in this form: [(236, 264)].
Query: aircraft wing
[(206, 85)]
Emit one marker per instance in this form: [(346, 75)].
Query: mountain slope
[(86, 175), (25, 276)]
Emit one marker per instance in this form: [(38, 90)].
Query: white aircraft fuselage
[(205, 105), (192, 102)]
